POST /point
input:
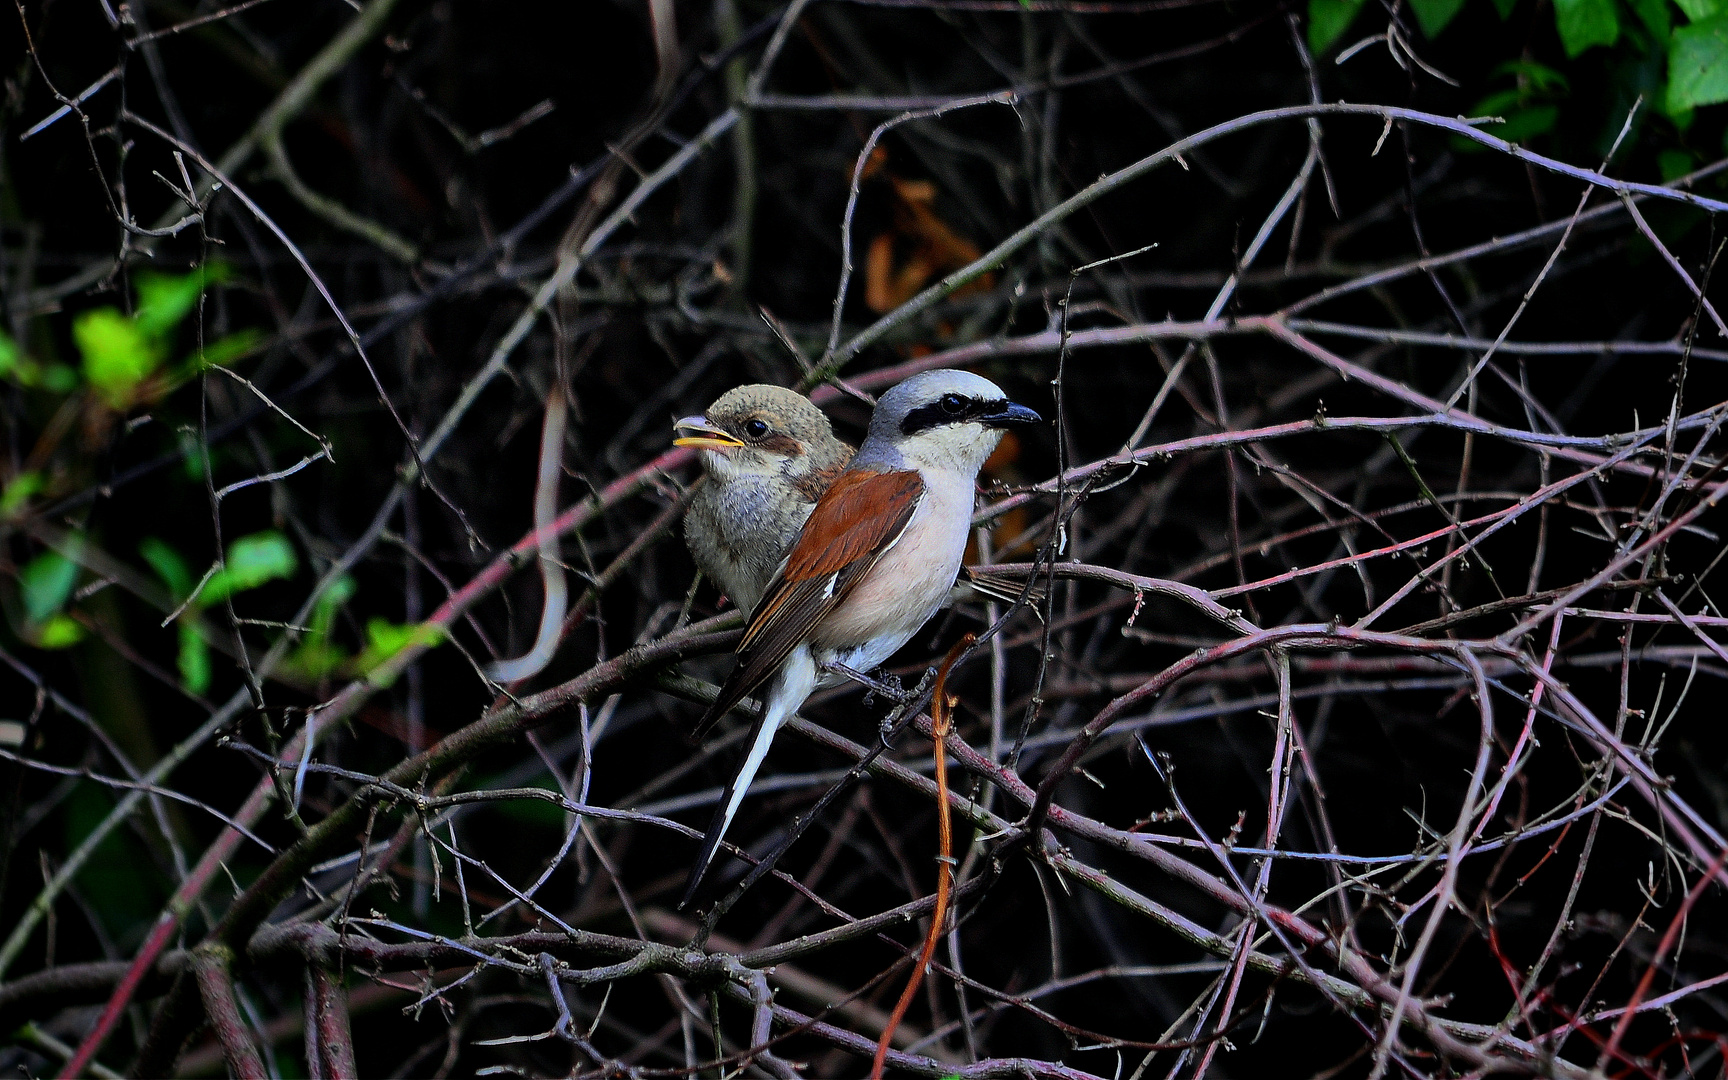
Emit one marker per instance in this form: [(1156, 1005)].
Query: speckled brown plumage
[(757, 495)]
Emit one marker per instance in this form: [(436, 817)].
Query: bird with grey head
[(767, 454), (873, 562)]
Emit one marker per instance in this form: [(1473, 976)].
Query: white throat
[(961, 448)]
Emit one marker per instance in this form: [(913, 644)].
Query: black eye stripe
[(932, 415)]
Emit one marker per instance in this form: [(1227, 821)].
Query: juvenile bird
[(875, 560), (769, 454)]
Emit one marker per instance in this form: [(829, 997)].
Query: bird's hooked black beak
[(703, 434), (1008, 415)]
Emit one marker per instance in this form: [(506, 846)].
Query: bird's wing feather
[(859, 518)]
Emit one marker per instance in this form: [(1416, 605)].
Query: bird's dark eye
[(953, 404), (756, 428)]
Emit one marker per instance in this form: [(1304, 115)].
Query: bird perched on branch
[(768, 453), (875, 560)]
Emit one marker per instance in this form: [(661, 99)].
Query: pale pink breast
[(910, 581)]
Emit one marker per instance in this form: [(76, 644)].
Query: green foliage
[(10, 356), (19, 490), (121, 353), (115, 883), (252, 561), (164, 300), (16, 366), (317, 657), (1675, 163), (224, 351), (1654, 15), (385, 639), (59, 632), (118, 354), (1698, 64), (1584, 24), (1327, 21), (1696, 56), (193, 657), (1526, 109), (1434, 15), (169, 566), (45, 584)]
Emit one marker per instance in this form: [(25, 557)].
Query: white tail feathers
[(794, 683)]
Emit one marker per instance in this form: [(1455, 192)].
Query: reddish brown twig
[(330, 1021), (941, 711), (216, 987), (1668, 938)]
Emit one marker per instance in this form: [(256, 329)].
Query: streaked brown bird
[(769, 454)]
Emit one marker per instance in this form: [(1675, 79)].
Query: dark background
[(667, 315)]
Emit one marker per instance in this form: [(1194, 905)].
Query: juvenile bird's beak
[(705, 435), (1009, 415)]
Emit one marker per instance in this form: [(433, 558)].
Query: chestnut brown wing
[(859, 518)]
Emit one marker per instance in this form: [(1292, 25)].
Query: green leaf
[(1699, 10), (1586, 23), (1504, 8), (316, 657), (1523, 124), (1654, 15), (1499, 103), (117, 354), (1698, 65), (1524, 111), (1434, 15), (384, 639), (117, 881), (1536, 78), (58, 378), (59, 632), (166, 299), (224, 351), (19, 491), (314, 660), (17, 366), (194, 660), (46, 582), (169, 566), (252, 561), (324, 612), (1674, 163), (10, 355), (1327, 21)]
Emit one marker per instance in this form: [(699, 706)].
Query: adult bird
[(767, 454), (875, 560)]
